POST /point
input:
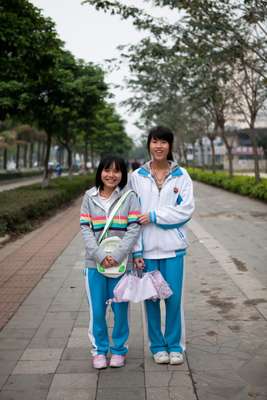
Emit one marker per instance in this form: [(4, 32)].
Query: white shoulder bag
[(110, 243)]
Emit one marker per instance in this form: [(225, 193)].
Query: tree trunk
[(70, 161), (213, 159), (47, 171), (193, 154), (5, 159), (61, 156), (92, 155), (31, 155), (25, 152), (17, 157), (38, 154), (85, 154), (202, 152), (229, 151), (255, 154), (184, 149), (44, 151)]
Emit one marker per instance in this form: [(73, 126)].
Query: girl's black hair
[(105, 163), (161, 132)]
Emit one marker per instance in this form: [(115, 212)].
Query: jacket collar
[(175, 170), (95, 191)]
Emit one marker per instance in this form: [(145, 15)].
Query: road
[(12, 184)]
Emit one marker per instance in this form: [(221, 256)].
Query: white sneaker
[(162, 357), (176, 358)]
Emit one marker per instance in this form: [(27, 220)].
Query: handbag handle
[(113, 212)]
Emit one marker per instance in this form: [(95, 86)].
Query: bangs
[(162, 135), (108, 163)]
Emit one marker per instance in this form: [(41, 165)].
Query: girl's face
[(159, 149), (111, 177)]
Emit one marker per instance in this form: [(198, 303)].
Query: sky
[(94, 36)]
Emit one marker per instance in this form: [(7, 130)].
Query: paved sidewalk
[(44, 350), (25, 261)]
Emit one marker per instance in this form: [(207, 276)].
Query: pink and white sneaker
[(100, 361), (117, 361)]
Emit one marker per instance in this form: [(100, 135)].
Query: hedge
[(6, 176), (244, 185), (21, 208)]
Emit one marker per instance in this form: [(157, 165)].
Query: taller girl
[(166, 193)]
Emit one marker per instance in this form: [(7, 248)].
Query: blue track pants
[(100, 289), (173, 339)]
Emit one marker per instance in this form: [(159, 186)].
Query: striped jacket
[(124, 225)]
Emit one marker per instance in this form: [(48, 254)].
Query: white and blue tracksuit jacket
[(169, 210)]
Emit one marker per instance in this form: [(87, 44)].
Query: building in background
[(201, 154)]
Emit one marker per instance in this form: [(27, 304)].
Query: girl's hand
[(112, 261), (144, 219), (139, 263), (106, 263)]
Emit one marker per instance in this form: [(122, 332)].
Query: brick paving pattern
[(24, 262)]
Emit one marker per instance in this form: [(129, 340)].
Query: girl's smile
[(159, 149), (110, 178)]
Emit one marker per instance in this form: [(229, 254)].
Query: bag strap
[(113, 212)]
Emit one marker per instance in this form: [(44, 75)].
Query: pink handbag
[(163, 289), (131, 287)]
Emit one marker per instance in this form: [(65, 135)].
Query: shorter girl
[(110, 182)]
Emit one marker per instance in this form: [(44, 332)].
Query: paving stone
[(121, 379), (75, 367), (9, 355), (60, 317), (48, 331), (64, 307), (17, 333), (82, 320), (170, 393), (6, 367), (74, 381), (254, 372), (36, 367), (41, 354), (77, 353), (23, 395), (121, 394), (78, 341), (135, 352), (3, 379), (24, 382), (131, 365), (48, 342), (168, 379), (13, 344), (71, 394)]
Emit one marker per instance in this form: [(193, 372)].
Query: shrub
[(4, 176), (21, 208), (244, 185)]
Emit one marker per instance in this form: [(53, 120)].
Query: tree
[(209, 36), (84, 88), (108, 134), (28, 42), (251, 97)]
